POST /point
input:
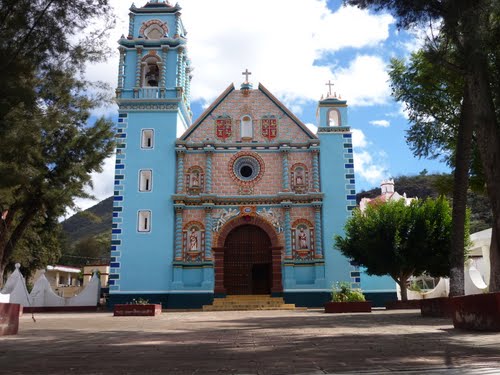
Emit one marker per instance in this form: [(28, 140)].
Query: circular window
[(246, 168)]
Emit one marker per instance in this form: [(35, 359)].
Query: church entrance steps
[(248, 302)]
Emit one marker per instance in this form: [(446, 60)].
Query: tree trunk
[(460, 185), (485, 123), (401, 281)]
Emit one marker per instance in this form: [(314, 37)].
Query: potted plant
[(138, 307), (345, 300)]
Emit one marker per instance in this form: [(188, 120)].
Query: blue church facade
[(244, 200)]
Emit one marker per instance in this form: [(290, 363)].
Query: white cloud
[(280, 51), (380, 123), (312, 127), (367, 168), (365, 82), (358, 138)]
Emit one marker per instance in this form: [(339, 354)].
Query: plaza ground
[(246, 342)]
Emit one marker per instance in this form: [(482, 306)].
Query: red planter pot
[(348, 307), (436, 308), (9, 318), (137, 310), (480, 312)]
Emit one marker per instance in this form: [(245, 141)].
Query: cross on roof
[(246, 73), (329, 84)]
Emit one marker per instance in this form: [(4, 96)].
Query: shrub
[(342, 292)]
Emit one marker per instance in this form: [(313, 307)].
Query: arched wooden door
[(247, 261)]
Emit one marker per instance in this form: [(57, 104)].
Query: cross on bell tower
[(246, 73), (330, 84)]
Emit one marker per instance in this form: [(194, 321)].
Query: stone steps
[(248, 302)]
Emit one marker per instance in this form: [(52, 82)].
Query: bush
[(342, 292)]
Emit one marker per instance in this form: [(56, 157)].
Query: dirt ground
[(247, 342)]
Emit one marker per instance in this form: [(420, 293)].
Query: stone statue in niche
[(193, 240), (303, 244), (195, 179), (299, 179)]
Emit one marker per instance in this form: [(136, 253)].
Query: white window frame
[(143, 132), (141, 216), (143, 175)]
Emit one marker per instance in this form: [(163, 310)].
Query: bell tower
[(337, 180), (153, 96)]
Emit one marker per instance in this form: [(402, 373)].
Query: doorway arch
[(247, 261), (264, 273)]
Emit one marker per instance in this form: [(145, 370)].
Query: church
[(246, 201)]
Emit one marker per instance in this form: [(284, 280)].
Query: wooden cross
[(329, 84), (246, 73)]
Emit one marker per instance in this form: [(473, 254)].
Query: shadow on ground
[(208, 343)]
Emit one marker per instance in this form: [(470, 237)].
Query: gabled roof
[(207, 112), (294, 118), (229, 90)]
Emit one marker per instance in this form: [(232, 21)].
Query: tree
[(438, 104), (48, 147), (400, 241), (472, 29)]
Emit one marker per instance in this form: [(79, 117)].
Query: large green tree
[(400, 240), (48, 144), (472, 29)]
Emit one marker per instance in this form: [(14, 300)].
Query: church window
[(333, 117), (154, 29), (144, 221), (150, 71), (147, 138), (246, 168), (246, 127), (145, 180), (153, 32)]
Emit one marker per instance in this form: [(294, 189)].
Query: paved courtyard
[(251, 342)]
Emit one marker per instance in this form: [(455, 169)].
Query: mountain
[(93, 221)]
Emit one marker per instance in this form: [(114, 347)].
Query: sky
[(294, 47)]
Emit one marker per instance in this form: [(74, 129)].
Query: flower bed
[(348, 307), (480, 312), (137, 310)]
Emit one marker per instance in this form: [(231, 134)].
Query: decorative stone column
[(131, 25), (208, 232), (180, 170), (315, 167), (180, 58), (121, 71), (178, 231), (208, 175), (286, 172), (318, 229), (138, 72), (288, 230), (163, 80)]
